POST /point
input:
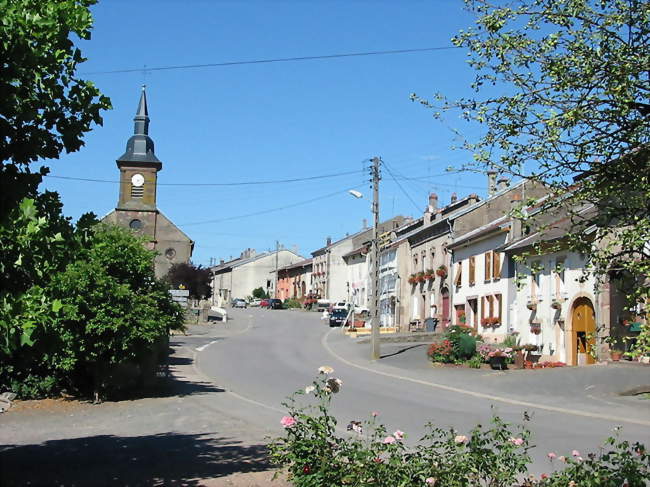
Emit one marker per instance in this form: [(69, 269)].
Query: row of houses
[(468, 262)]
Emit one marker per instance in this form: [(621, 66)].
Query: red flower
[(306, 469)]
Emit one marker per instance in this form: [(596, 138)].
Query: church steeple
[(140, 147)]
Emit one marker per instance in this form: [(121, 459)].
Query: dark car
[(275, 304), (338, 316)]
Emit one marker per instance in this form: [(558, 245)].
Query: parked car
[(338, 317), (264, 303), (255, 302), (275, 304), (239, 303), (322, 305), (338, 305)]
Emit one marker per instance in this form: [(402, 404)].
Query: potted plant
[(616, 354), (441, 271), (535, 328), (531, 305), (556, 304), (494, 321), (412, 279), (429, 275), (420, 277), (462, 318), (497, 359)]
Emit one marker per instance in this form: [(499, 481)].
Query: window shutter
[(498, 313), (459, 274), (472, 271), (488, 265), (496, 262)]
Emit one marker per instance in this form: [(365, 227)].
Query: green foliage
[(196, 279), (316, 455), (571, 104), (45, 109), (465, 346), (291, 303), (510, 341), (475, 362), (259, 293)]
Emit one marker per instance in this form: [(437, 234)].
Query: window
[(488, 265), (496, 265), (535, 285), (459, 274), (560, 265), (472, 271), (135, 224)]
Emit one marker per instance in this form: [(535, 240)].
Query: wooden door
[(583, 331), (445, 308)]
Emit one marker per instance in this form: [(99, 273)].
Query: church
[(136, 208)]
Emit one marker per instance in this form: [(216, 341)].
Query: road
[(265, 355)]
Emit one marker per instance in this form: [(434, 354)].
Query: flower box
[(556, 304), (441, 271), (531, 305)]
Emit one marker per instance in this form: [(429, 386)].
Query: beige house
[(239, 277), (136, 208)]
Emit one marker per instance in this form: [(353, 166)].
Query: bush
[(441, 352), (291, 303), (259, 293), (497, 455)]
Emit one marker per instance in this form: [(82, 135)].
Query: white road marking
[(482, 395), (203, 347)]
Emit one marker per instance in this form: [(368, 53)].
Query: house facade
[(295, 280), (239, 277)]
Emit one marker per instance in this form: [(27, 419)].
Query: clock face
[(137, 180)]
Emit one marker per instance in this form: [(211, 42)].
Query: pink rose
[(575, 453), (389, 440), (430, 481), (461, 439), (543, 476), (288, 421), (399, 435), (516, 441), (375, 414), (551, 455), (562, 458)]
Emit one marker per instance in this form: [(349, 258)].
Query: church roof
[(140, 147)]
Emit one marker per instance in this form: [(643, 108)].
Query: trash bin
[(430, 324)]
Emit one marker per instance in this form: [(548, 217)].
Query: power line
[(271, 210), (241, 183), (417, 208), (274, 60)]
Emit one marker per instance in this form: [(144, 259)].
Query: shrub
[(291, 303), (497, 455), (465, 346), (441, 352)]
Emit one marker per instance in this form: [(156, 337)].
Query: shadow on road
[(402, 350), (160, 459)]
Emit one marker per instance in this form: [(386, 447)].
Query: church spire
[(142, 115), (140, 147)]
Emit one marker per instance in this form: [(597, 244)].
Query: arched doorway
[(583, 332)]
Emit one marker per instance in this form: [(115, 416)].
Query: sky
[(274, 121)]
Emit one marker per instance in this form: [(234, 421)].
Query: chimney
[(329, 241), (365, 224), (502, 183), (492, 182), (516, 229), (454, 197), (433, 203), (472, 198), (221, 262)]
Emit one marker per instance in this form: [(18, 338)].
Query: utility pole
[(277, 251), (374, 303)]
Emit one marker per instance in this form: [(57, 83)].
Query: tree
[(44, 108), (562, 95), (195, 279), (260, 293)]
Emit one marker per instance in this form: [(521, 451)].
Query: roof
[(140, 147), (302, 263), (243, 261), (358, 251), (495, 225)]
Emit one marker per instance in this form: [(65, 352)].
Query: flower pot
[(498, 363), (615, 355)]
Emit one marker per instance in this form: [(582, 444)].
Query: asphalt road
[(262, 356)]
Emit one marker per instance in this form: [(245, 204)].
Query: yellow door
[(583, 334)]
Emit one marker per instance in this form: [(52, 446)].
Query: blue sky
[(273, 121)]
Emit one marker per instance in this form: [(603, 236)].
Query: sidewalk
[(180, 434), (592, 390)]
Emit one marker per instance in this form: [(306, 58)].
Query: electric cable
[(274, 60)]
